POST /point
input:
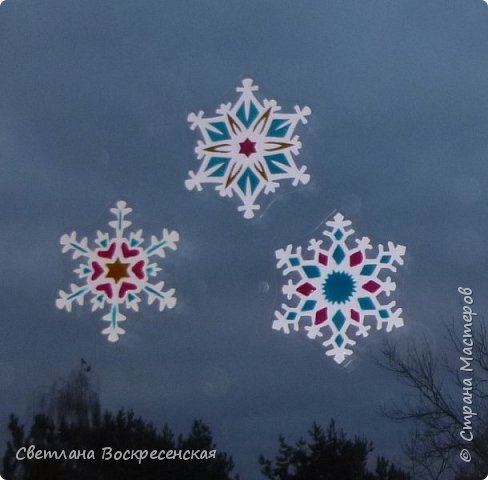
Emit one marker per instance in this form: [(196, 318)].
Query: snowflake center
[(117, 270), (338, 287), (247, 147)]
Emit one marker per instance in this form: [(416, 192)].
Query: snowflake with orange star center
[(118, 271)]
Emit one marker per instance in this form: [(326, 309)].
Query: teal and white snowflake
[(248, 148), (337, 286), (117, 271)]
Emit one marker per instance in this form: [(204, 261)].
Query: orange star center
[(117, 270)]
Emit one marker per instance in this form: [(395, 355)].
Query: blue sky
[(93, 104)]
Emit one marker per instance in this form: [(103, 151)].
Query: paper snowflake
[(337, 287), (248, 148), (117, 271)]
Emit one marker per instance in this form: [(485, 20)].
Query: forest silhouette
[(68, 418)]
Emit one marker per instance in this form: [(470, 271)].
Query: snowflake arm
[(120, 223), (155, 293), (66, 299), (158, 246), (114, 317), (78, 247)]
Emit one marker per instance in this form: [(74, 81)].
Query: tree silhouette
[(327, 455), (68, 419), (435, 406)]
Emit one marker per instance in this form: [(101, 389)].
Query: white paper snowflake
[(117, 271), (337, 287), (248, 148)]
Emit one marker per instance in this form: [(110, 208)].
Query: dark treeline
[(68, 418)]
